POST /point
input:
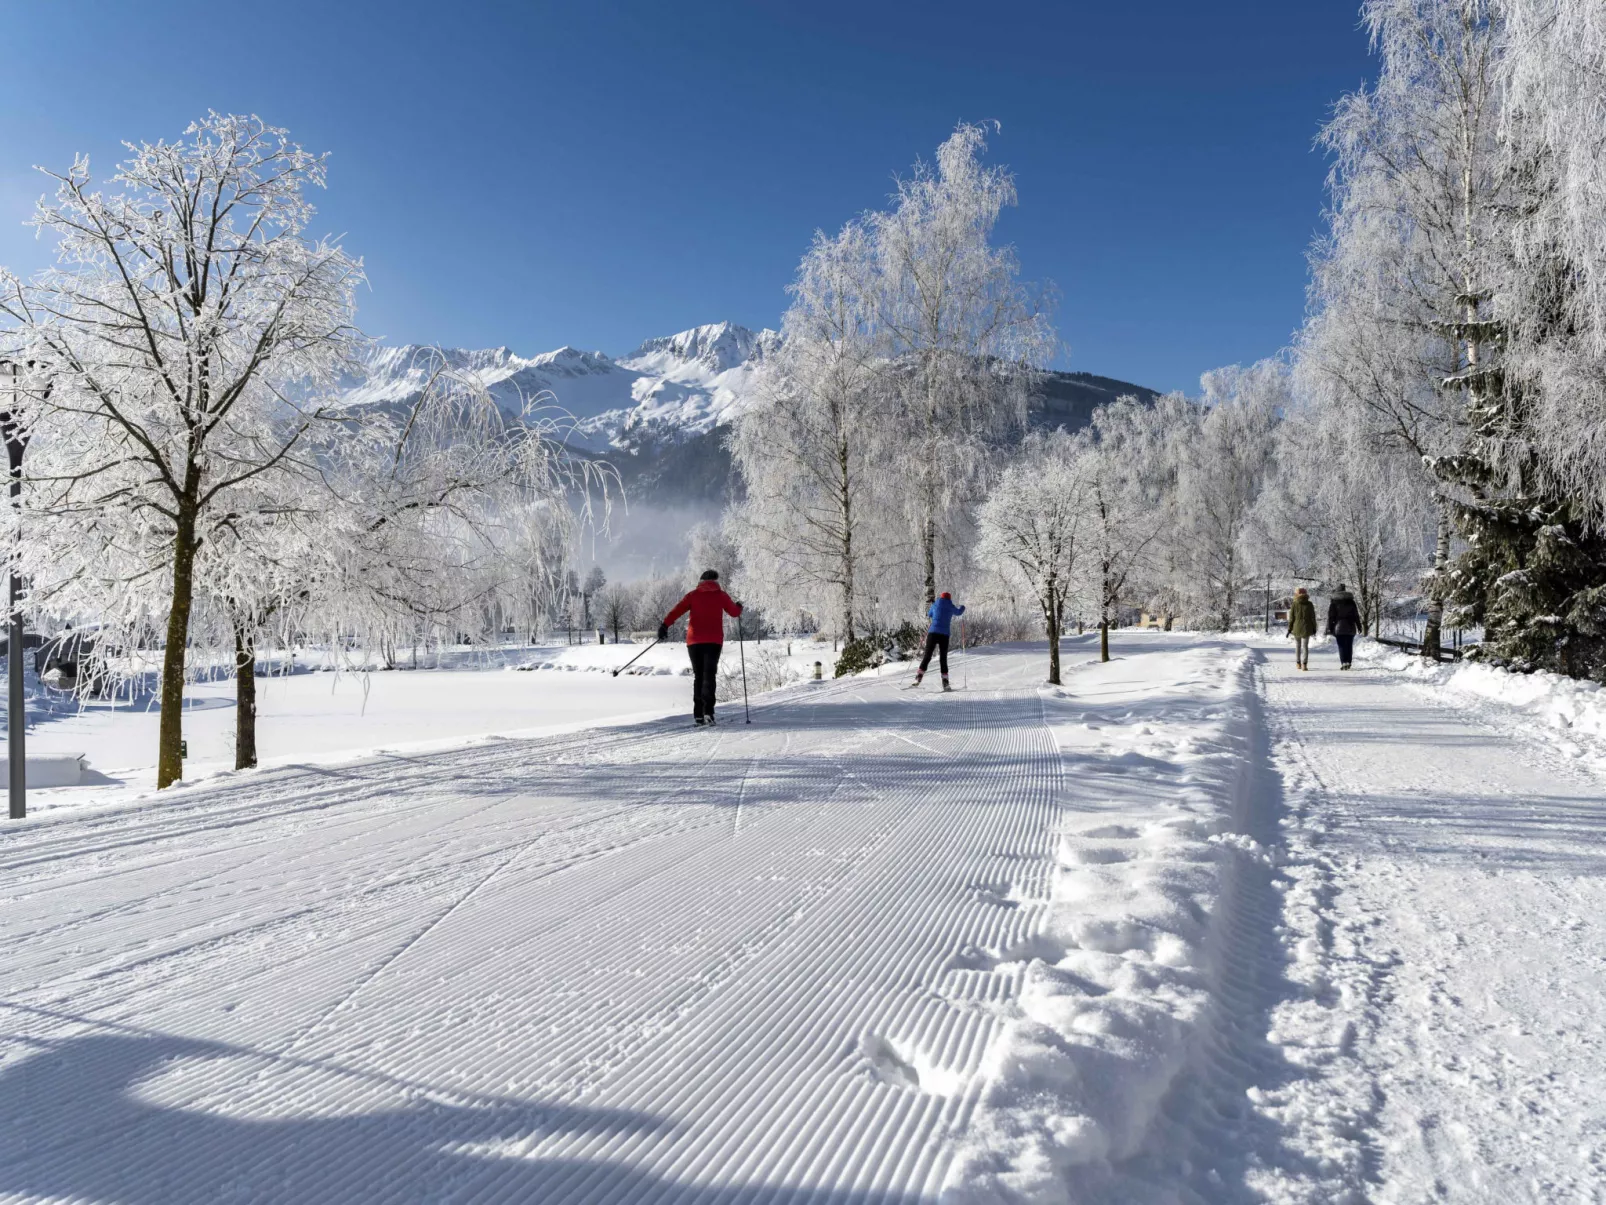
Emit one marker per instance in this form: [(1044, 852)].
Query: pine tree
[(1534, 573)]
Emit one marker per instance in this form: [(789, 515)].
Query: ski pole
[(741, 647), (637, 657), (965, 681)]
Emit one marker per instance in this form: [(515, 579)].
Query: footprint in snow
[(1107, 855), (999, 896), (1119, 832)]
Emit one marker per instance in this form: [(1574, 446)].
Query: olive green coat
[(1302, 617)]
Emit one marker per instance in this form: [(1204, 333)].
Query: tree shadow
[(81, 1126)]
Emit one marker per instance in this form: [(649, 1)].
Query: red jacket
[(705, 604)]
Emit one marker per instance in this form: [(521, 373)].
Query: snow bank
[(1117, 991), (1564, 712)]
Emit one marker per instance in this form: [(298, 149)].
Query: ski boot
[(946, 685), (919, 674), (710, 722)]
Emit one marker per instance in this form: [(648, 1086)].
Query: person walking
[(1302, 626), (1343, 621), (707, 605), (941, 613)]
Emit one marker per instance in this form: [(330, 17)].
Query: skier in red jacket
[(705, 637)]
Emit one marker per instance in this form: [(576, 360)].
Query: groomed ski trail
[(561, 970)]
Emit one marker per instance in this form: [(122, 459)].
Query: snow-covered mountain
[(678, 386), (655, 412)]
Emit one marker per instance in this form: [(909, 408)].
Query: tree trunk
[(1051, 618), (928, 542), (1432, 636), (1104, 617), (170, 739), (245, 697), (848, 564), (1377, 626)]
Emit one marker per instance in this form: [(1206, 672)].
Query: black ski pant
[(936, 641), (1346, 647), (704, 669)]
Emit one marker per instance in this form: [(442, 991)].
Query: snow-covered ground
[(1194, 927), (1445, 940), (328, 717), (1565, 713)]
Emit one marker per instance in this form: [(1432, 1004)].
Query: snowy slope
[(679, 385)]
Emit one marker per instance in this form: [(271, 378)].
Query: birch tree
[(1339, 507), (449, 516), (1222, 464), (1554, 78), (191, 329), (968, 334), (1035, 521), (1404, 285), (1129, 497), (814, 449)]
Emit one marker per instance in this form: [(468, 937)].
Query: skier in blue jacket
[(941, 613)]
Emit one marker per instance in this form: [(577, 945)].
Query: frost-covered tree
[(1462, 287), (1421, 191), (1338, 506), (814, 450), (967, 334), (1554, 76), (711, 547), (658, 597), (1525, 483), (1130, 498), (1222, 447), (1035, 521), (616, 608), (192, 331), (262, 565), (455, 517)]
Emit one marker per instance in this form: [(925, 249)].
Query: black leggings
[(939, 641), (704, 669), (1346, 647)]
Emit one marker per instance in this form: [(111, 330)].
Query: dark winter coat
[(1343, 616), (707, 605), (941, 613), (1302, 617)]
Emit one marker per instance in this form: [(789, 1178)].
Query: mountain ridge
[(670, 390)]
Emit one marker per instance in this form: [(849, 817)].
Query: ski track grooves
[(536, 969)]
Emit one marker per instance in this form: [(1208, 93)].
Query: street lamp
[(11, 429)]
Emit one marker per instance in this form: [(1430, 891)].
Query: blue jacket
[(941, 613)]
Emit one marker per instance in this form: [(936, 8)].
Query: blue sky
[(596, 173)]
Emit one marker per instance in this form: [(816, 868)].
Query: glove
[(663, 631)]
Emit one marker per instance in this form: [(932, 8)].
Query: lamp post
[(17, 704)]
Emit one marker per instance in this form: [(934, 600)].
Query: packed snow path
[(1459, 875), (598, 968)]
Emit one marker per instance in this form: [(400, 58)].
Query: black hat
[(709, 575)]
